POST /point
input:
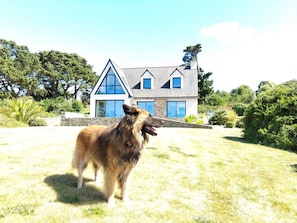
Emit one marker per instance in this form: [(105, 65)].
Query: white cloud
[(248, 57), (228, 32)]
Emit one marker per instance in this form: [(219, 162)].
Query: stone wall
[(108, 121)]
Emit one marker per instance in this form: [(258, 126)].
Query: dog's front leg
[(110, 178)]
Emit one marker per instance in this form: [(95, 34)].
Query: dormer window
[(147, 83), (147, 80), (176, 79), (176, 82)]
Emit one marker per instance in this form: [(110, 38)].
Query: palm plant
[(23, 109)]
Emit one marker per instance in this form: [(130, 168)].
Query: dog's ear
[(129, 110)]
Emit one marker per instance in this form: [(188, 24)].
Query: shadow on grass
[(65, 187), (294, 166), (237, 139)]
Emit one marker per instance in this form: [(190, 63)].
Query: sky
[(243, 41)]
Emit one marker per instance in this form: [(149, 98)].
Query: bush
[(239, 123), (77, 106), (239, 108), (37, 122), (219, 118), (22, 109), (191, 118), (229, 124), (271, 119), (60, 104)]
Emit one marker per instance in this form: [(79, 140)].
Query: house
[(167, 92)]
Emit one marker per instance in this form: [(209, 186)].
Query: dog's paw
[(111, 202)]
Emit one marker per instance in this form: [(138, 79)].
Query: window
[(110, 85), (147, 83), (176, 109), (147, 105), (109, 108), (176, 82)]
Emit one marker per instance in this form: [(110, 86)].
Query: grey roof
[(161, 88)]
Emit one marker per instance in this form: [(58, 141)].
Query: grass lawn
[(184, 175)]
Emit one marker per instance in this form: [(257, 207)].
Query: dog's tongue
[(151, 130)]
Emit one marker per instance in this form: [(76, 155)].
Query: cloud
[(244, 56), (228, 32)]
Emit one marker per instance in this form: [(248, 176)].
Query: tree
[(264, 86), (191, 54), (18, 69), (64, 74), (204, 86), (243, 94), (271, 119)]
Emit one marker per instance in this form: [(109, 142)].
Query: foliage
[(23, 109), (7, 122), (264, 86), (239, 108), (191, 118), (218, 118), (229, 124), (242, 94), (217, 98), (18, 69), (47, 74), (222, 117), (58, 105), (37, 122), (62, 73), (191, 53), (76, 105), (271, 119), (204, 86)]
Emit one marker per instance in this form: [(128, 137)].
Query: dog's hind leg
[(81, 167), (96, 169)]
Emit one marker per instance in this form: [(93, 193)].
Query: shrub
[(77, 106), (271, 119), (218, 118), (191, 118), (37, 122), (231, 116), (239, 108), (229, 124), (239, 123), (22, 109)]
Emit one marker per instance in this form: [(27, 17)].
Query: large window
[(110, 85), (147, 105), (176, 109), (109, 108), (176, 82), (147, 83)]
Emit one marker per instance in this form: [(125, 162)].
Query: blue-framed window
[(147, 105), (110, 85), (176, 82), (109, 108), (176, 109), (147, 83)]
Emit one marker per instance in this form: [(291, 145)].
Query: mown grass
[(184, 175)]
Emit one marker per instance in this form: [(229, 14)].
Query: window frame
[(146, 106), (177, 113), (116, 112)]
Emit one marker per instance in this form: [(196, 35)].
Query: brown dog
[(116, 148)]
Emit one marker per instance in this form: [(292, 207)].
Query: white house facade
[(168, 92)]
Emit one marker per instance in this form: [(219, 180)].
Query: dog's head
[(142, 119)]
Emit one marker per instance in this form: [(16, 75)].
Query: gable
[(112, 81)]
